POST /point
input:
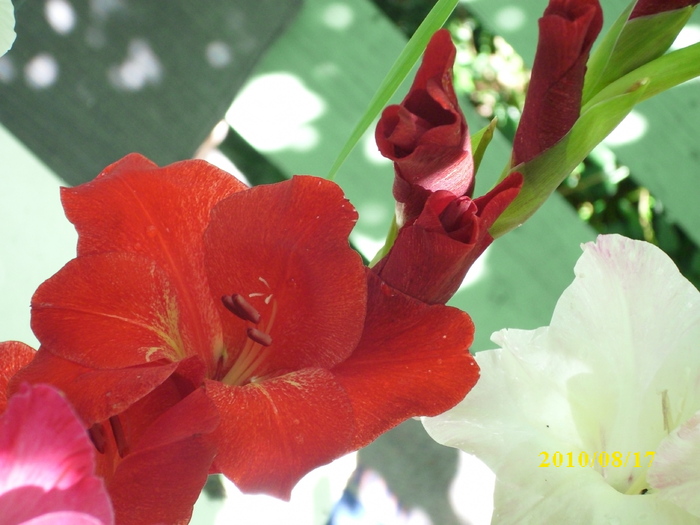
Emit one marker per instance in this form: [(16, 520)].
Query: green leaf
[(398, 72), (631, 44), (480, 142), (545, 172), (661, 74)]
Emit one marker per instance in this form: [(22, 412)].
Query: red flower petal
[(568, 29), (134, 206), (30, 504), (95, 394), (413, 360), (274, 432), (161, 478), (115, 310), (284, 248), (13, 356), (46, 459), (426, 136)]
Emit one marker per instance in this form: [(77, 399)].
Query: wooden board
[(89, 83)]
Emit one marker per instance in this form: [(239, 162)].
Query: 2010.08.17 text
[(602, 459)]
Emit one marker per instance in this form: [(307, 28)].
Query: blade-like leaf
[(398, 72)]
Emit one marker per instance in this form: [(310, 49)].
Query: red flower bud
[(431, 256), (426, 135), (567, 31), (653, 7)]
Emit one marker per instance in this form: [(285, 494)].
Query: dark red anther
[(98, 437), (259, 337), (119, 437), (237, 305)]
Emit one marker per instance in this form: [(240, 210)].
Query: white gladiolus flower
[(7, 26), (612, 384)]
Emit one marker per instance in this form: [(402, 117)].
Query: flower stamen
[(259, 336), (119, 437), (98, 438), (237, 305), (256, 348)]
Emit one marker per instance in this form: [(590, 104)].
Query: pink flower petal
[(46, 459)]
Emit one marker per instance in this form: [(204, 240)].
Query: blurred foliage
[(492, 76)]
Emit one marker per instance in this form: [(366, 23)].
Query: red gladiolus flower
[(187, 279), (431, 256), (568, 29), (426, 135), (653, 7), (47, 468)]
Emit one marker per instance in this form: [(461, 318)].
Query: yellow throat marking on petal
[(168, 330)]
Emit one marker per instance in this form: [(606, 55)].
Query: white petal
[(635, 321), (675, 472), (573, 495), (621, 341), (7, 25)]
